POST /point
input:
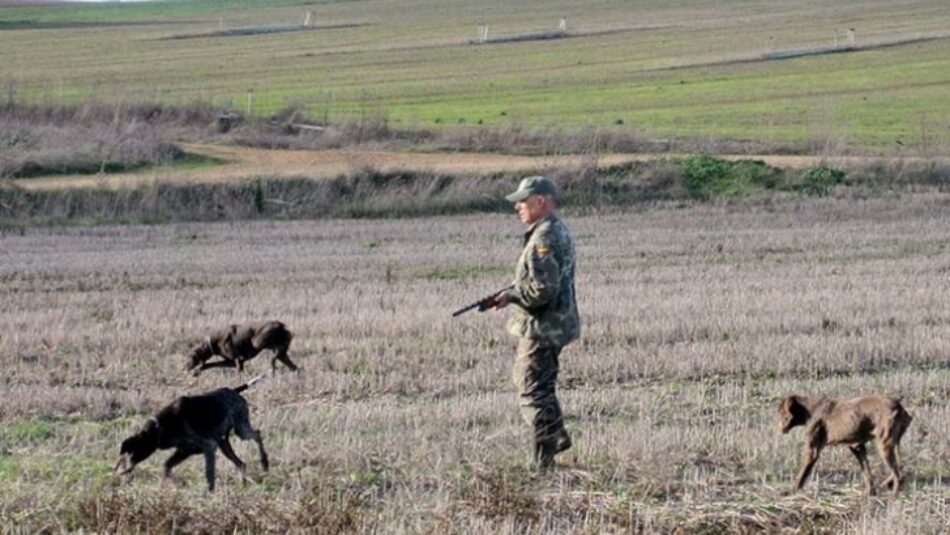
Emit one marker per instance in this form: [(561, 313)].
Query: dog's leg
[(898, 467), (890, 481), (209, 468), (861, 452), (809, 458), (215, 364), (228, 452), (175, 460), (817, 438), (265, 462), (903, 422), (886, 450), (246, 432), (281, 355)]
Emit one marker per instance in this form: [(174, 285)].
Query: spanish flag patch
[(542, 250)]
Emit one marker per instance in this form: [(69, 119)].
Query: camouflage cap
[(533, 185)]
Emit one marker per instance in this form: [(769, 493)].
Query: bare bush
[(60, 147)]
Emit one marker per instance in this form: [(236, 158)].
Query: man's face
[(531, 209)]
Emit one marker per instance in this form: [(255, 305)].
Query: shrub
[(819, 181), (758, 173), (705, 176)]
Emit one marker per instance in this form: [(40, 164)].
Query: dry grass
[(696, 321)]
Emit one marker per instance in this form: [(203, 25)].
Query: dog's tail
[(251, 383)]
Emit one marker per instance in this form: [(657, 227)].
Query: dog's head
[(138, 447), (199, 354), (792, 413)]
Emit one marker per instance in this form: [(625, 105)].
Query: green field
[(664, 69)]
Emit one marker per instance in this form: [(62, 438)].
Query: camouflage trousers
[(535, 375)]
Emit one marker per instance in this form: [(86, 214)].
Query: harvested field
[(696, 321)]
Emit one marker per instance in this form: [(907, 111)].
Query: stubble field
[(696, 321)]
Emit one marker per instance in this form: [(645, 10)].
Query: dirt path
[(243, 163)]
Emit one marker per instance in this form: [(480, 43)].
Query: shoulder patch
[(542, 249)]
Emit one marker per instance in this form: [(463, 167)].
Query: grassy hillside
[(660, 68)]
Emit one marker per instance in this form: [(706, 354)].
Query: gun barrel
[(463, 310)]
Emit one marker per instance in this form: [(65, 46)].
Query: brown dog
[(239, 343), (851, 422)]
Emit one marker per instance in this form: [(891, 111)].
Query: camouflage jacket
[(543, 290)]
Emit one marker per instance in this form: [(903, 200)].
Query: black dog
[(240, 343), (193, 425)]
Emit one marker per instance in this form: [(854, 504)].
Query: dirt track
[(242, 163)]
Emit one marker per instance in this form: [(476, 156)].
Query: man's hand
[(500, 300), (497, 300)]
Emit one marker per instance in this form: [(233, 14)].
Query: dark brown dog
[(239, 343), (193, 425), (850, 422)]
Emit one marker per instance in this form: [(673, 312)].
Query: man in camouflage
[(545, 315)]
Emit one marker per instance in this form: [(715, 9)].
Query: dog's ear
[(785, 407), (790, 413), (797, 408), (794, 412)]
